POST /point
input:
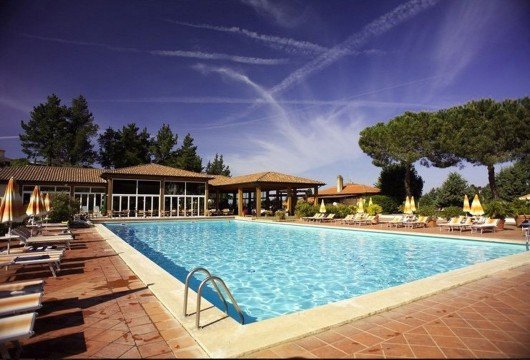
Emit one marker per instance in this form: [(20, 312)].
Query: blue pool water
[(275, 269)]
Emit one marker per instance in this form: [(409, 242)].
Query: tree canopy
[(396, 189), (60, 135), (162, 146), (217, 166), (187, 157), (126, 147), (483, 132)]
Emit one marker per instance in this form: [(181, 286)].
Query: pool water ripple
[(277, 269)]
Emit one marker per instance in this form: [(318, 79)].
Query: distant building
[(347, 193), (3, 160)]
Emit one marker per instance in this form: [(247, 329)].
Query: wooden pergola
[(256, 184)]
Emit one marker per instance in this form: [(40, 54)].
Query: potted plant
[(498, 209), (431, 212), (280, 215), (520, 210), (374, 210)]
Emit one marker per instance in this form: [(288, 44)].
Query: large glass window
[(124, 186), (195, 188), (174, 188), (149, 187)]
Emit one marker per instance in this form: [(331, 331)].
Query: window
[(195, 188), (124, 186), (174, 188), (149, 187)]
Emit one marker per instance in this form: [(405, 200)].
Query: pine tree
[(187, 157), (217, 166), (125, 147), (82, 129), (162, 146)]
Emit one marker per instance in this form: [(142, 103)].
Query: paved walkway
[(97, 307)]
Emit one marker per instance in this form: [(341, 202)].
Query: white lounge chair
[(20, 303), (489, 225), (21, 288), (466, 225), (14, 329), (453, 221)]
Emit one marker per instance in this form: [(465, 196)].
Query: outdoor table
[(8, 238)]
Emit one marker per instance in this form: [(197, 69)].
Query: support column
[(109, 197), (294, 198), (217, 200), (240, 202), (206, 198), (289, 201), (162, 202), (315, 195), (258, 201)]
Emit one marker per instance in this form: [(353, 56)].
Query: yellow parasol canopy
[(36, 205), (407, 209), (322, 207), (360, 206), (466, 207), (412, 204), (11, 206), (47, 202), (476, 207)]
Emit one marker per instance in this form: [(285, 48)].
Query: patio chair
[(368, 220), (16, 304), (328, 218), (397, 221), (314, 217), (14, 329), (346, 219), (453, 221), (51, 259), (466, 225), (43, 239), (490, 224), (21, 288)]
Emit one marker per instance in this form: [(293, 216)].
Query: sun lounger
[(490, 224), (20, 303), (316, 216), (367, 221), (354, 219), (346, 219), (453, 221), (15, 328), (396, 222), (52, 259), (43, 239), (466, 225), (21, 288), (326, 218)]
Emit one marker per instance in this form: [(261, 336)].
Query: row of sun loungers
[(19, 300), (462, 223)]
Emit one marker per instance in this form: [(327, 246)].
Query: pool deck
[(98, 307)]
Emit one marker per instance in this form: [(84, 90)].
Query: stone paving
[(98, 308)]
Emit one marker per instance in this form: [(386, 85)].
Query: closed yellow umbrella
[(466, 207), (407, 209), (47, 202), (360, 206), (322, 207), (370, 203), (36, 205), (11, 206), (476, 207), (412, 204)]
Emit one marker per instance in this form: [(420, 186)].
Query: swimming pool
[(275, 269)]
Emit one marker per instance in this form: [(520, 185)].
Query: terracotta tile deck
[(98, 308), (488, 318)]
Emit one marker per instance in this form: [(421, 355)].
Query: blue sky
[(272, 85)]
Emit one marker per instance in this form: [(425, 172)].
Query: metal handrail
[(213, 279), (187, 285)]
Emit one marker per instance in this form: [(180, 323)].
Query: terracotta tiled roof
[(263, 177), (156, 170), (348, 190), (52, 174)]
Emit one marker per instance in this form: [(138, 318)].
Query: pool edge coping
[(229, 339)]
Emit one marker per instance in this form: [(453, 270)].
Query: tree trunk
[(491, 179), (408, 185)]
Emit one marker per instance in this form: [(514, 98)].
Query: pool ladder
[(215, 280)]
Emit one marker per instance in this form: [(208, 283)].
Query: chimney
[(340, 183)]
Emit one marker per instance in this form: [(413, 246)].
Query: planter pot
[(431, 223), (520, 218), (500, 224)]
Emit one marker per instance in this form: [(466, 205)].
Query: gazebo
[(263, 183)]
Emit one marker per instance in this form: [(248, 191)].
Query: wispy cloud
[(217, 56), (169, 53), (15, 104), (291, 46), (280, 12), (293, 142), (13, 137)]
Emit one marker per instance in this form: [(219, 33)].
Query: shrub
[(304, 209), (340, 210), (498, 209), (280, 215), (389, 205), (63, 208), (428, 210), (451, 211), (374, 209), (520, 207)]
